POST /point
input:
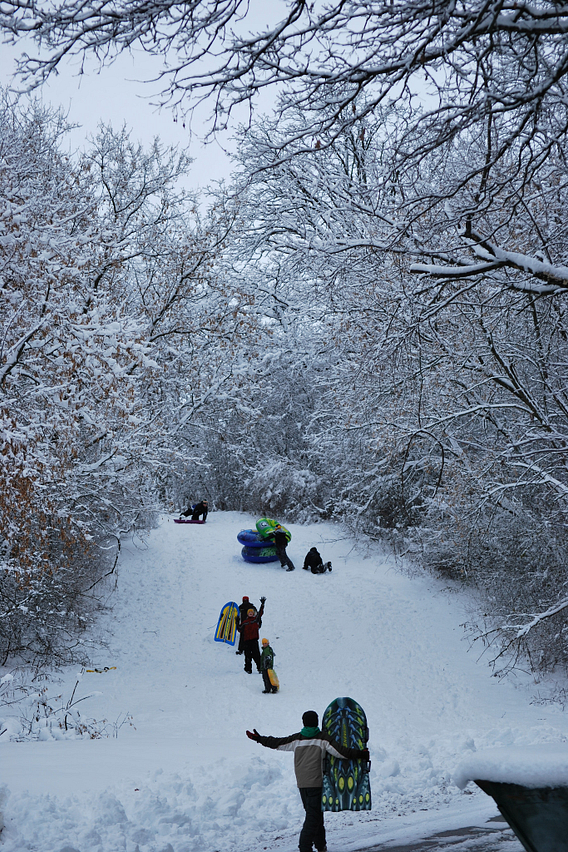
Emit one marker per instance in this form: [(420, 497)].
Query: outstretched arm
[(280, 743)]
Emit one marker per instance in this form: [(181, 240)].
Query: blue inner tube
[(252, 539), (257, 554), (261, 551)]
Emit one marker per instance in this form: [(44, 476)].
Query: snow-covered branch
[(555, 278), (536, 620)]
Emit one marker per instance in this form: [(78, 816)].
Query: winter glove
[(253, 735), (366, 755), (263, 600)]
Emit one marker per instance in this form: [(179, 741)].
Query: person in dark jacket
[(196, 510), (243, 611), (200, 509), (314, 562), (280, 539), (249, 630), (267, 662), (310, 746)]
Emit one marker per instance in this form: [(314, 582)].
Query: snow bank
[(536, 766)]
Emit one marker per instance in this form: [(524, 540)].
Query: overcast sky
[(118, 95)]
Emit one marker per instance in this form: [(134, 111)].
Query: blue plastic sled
[(227, 625)]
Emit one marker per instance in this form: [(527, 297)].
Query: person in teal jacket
[(267, 662)]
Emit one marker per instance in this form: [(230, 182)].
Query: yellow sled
[(273, 678), (227, 625)]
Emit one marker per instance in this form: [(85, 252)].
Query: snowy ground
[(183, 777)]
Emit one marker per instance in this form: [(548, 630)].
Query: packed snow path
[(183, 777)]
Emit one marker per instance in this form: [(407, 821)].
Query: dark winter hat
[(245, 597), (310, 719)]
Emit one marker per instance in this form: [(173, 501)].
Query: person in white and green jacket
[(310, 745)]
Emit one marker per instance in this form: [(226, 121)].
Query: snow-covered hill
[(183, 777)]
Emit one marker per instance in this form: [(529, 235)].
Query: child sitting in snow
[(314, 562)]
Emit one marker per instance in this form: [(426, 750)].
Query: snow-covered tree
[(395, 248), (460, 73), (477, 59), (440, 407), (98, 259)]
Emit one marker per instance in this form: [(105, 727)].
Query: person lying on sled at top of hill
[(196, 510), (314, 563), (310, 746)]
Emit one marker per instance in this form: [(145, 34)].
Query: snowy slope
[(184, 773)]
